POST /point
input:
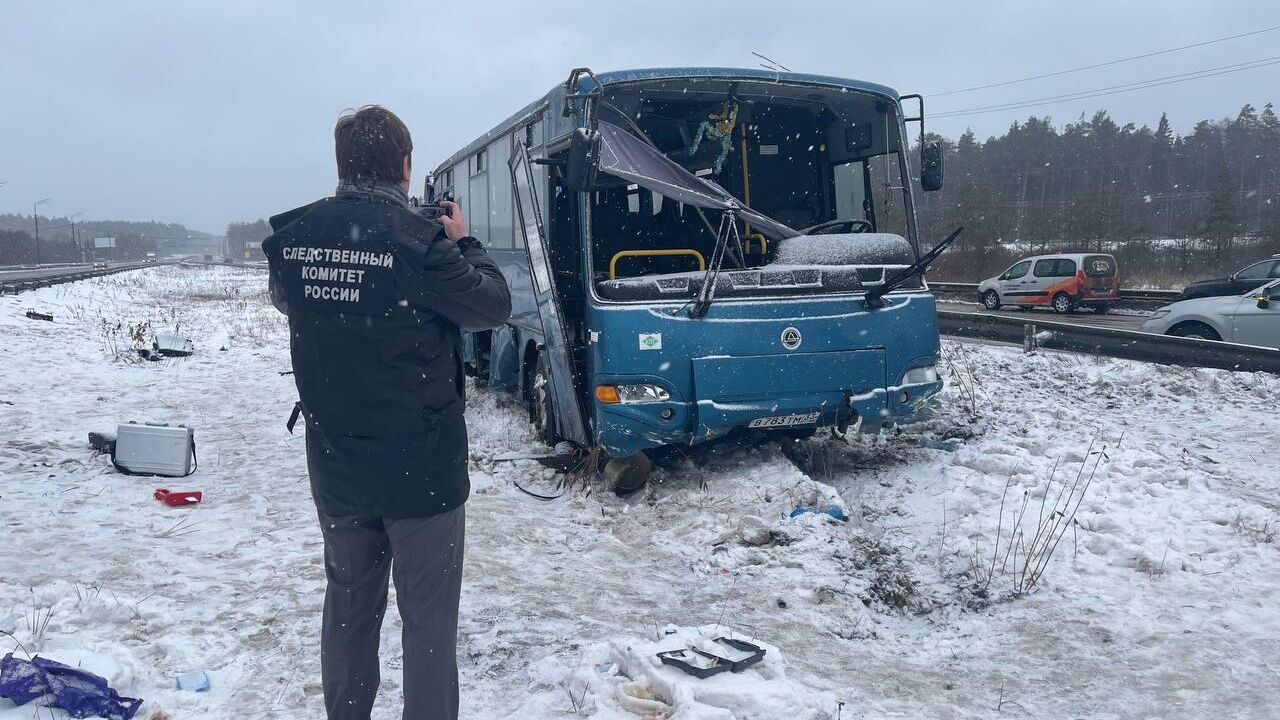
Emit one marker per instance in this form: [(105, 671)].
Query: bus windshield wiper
[(707, 293), (875, 298)]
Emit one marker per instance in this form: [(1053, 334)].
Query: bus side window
[(460, 188), (501, 226), (478, 194)]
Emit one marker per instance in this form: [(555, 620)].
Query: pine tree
[(1164, 131), (1221, 218)]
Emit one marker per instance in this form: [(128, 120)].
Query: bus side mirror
[(584, 161), (931, 166)]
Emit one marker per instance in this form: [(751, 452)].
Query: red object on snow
[(173, 498)]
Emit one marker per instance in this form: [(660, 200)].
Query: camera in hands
[(434, 210)]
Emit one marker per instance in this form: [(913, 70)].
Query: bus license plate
[(785, 420)]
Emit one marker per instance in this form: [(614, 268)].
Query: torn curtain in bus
[(625, 156)]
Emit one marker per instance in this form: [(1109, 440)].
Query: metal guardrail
[(1112, 342), (17, 286), (1152, 295)]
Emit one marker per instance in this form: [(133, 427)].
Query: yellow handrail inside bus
[(746, 243), (613, 263)]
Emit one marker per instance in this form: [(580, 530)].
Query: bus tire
[(1062, 303), (542, 405), (629, 474), (991, 300)]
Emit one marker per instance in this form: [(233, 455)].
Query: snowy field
[(1159, 599)]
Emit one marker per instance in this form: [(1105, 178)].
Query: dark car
[(1238, 283)]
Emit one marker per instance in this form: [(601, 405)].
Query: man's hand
[(455, 225)]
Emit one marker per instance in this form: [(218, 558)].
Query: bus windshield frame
[(820, 159)]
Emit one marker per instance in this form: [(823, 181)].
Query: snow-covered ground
[(1158, 601)]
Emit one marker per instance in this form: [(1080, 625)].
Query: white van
[(1063, 282)]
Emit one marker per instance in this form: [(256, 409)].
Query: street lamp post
[(75, 239), (35, 212)]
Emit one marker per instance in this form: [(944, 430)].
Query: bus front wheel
[(543, 408), (627, 475)]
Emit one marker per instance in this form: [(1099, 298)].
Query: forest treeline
[(1171, 207), (64, 240), (247, 236)]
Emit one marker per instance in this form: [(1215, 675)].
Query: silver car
[(1251, 319)]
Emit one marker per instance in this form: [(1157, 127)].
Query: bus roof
[(622, 76), (617, 77)]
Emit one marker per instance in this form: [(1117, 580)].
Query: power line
[(1114, 89), (1105, 64), (1136, 85)]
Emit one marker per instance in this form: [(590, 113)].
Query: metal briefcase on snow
[(155, 449)]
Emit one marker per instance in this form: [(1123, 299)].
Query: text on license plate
[(785, 420)]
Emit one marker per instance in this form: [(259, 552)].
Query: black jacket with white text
[(376, 295)]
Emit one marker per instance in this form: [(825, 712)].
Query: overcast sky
[(207, 112)]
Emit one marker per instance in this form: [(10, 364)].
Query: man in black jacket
[(376, 295)]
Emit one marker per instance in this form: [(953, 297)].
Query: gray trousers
[(424, 555)]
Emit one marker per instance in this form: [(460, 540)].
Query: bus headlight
[(920, 375), (626, 394)]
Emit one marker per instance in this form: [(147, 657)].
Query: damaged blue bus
[(697, 250)]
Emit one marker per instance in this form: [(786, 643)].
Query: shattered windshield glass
[(824, 162)]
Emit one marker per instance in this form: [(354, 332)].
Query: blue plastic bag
[(832, 510), (80, 693), (21, 681)]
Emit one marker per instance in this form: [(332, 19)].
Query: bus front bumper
[(624, 429)]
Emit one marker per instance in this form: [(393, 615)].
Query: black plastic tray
[(722, 664), (757, 653), (672, 658)]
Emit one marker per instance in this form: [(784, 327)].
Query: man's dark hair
[(371, 145)]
